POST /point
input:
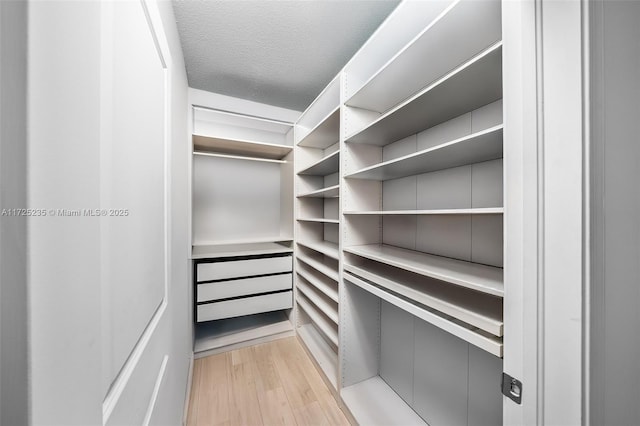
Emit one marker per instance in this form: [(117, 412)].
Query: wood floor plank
[(213, 408), (325, 397), (295, 385), (311, 414), (269, 384), (244, 406), (194, 395)]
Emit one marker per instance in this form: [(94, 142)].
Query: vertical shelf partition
[(317, 136), (242, 256)]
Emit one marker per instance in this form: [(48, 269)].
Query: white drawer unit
[(242, 287), (244, 306), (224, 270)]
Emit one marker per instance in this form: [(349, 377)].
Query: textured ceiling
[(280, 53)]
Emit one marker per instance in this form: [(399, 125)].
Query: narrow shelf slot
[(476, 309), (476, 83), (317, 300), (478, 147), (318, 266), (241, 148), (323, 167), (318, 281), (466, 332), (325, 247), (374, 402), (321, 351), (325, 134), (322, 324), (491, 210), (328, 192), (403, 74), (482, 278)]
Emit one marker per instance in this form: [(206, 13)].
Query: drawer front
[(245, 306), (243, 287), (243, 268)]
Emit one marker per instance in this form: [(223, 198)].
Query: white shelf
[(478, 147), (318, 282), (241, 148), (318, 266), (328, 192), (325, 247), (245, 249), (321, 286), (482, 278), (323, 354), (325, 134), (478, 310), (323, 167), (372, 402), (327, 328), (322, 305), (466, 332), (219, 334), (468, 27), (318, 219), (476, 83), (489, 210)]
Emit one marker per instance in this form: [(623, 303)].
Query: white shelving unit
[(421, 296), (317, 230), (253, 302)]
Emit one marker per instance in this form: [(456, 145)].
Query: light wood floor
[(270, 384)]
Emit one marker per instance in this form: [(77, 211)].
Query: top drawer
[(243, 268)]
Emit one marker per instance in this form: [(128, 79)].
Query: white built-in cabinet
[(242, 229), (396, 197)]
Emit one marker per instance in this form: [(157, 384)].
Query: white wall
[(614, 382), (107, 129), (13, 230)]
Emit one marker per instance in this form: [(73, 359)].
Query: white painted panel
[(243, 287), (399, 194), (331, 208), (400, 231), (133, 172), (396, 350), (400, 148), (441, 376), (450, 188), (234, 199), (487, 116), (243, 268), (14, 388), (362, 230), (331, 232), (448, 131), (486, 186), (359, 334), (362, 195), (244, 306), (485, 397), (487, 242), (134, 399), (445, 235)]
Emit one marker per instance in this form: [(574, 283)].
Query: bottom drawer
[(245, 306)]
